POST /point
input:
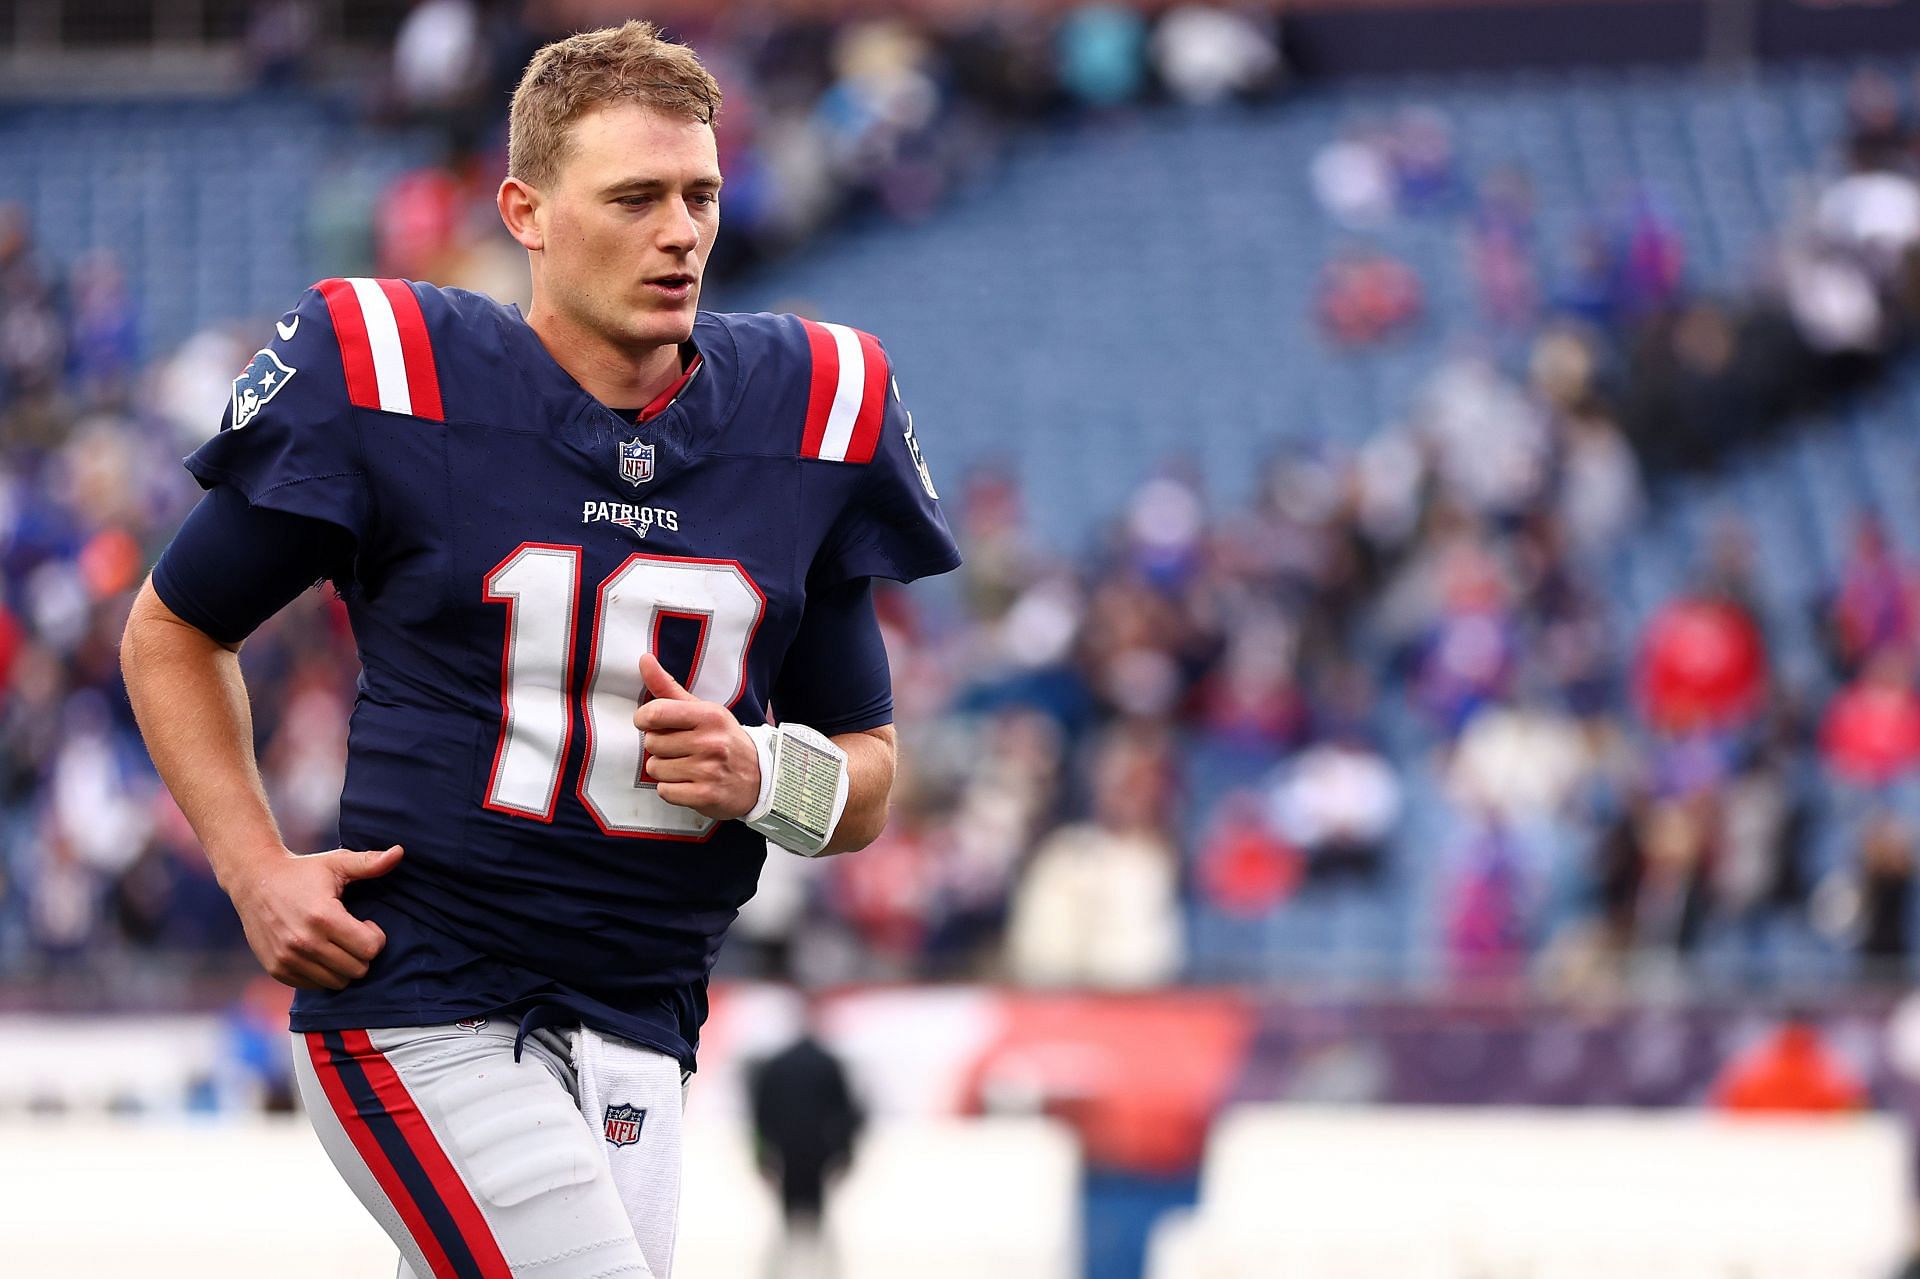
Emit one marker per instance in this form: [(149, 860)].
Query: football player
[(609, 571)]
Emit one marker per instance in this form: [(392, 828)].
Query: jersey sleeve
[(289, 440), (835, 678), (233, 565), (893, 525)]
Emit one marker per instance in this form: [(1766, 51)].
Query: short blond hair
[(570, 77)]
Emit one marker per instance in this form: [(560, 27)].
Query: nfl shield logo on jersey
[(623, 1123), (264, 377), (636, 462)]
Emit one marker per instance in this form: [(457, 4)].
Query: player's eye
[(705, 199), (634, 201)]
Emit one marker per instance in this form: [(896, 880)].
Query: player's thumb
[(659, 683), (369, 865)]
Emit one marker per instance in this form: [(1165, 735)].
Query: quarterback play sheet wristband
[(803, 787)]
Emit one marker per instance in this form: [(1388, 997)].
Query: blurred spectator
[(1206, 55), (1489, 441), (890, 895), (416, 223), (1522, 763), (1127, 647), (1789, 1072), (1467, 653), (1874, 607), (280, 41), (1102, 50), (1503, 273), (1875, 215), (1670, 885), (1832, 302), (932, 891), (1600, 493), (879, 115), (1757, 869), (1500, 243), (1367, 296), (102, 350), (1872, 729), (1165, 521), (96, 808), (33, 348), (1352, 178), (1337, 803), (1886, 897), (1097, 906), (1250, 698), (1728, 571), (1245, 869), (1877, 134), (1489, 907), (805, 1123), (1702, 664), (1423, 160), (1590, 290), (1650, 259), (437, 57), (1615, 864)]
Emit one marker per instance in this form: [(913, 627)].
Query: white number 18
[(540, 585)]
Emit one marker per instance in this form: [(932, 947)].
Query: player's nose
[(678, 232)]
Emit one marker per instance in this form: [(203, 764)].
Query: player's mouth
[(675, 288)]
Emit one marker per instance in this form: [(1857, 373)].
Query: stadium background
[(1439, 627)]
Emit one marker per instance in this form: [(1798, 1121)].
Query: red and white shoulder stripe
[(384, 346), (846, 394)]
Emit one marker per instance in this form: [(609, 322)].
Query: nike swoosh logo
[(285, 330)]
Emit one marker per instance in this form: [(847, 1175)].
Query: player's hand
[(298, 928), (696, 750)]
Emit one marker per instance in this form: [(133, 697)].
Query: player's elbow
[(860, 827), (873, 758)]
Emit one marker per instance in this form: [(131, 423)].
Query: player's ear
[(519, 205)]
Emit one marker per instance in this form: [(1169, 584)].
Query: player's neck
[(614, 375)]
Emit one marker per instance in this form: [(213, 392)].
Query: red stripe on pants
[(395, 1099), (375, 1158)]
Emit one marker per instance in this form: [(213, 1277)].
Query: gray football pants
[(481, 1167)]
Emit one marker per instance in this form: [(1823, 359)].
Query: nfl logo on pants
[(623, 1123)]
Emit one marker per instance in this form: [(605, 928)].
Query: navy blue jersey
[(517, 547)]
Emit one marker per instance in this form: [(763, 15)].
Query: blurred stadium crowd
[(1391, 721)]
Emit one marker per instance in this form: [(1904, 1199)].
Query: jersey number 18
[(540, 585)]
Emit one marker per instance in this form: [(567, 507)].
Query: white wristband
[(803, 787)]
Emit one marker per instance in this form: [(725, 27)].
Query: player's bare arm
[(704, 760), (870, 763), (188, 694)]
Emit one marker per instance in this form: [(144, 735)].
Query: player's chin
[(657, 330), (663, 322)]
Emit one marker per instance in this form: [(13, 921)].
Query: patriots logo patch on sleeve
[(263, 379)]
